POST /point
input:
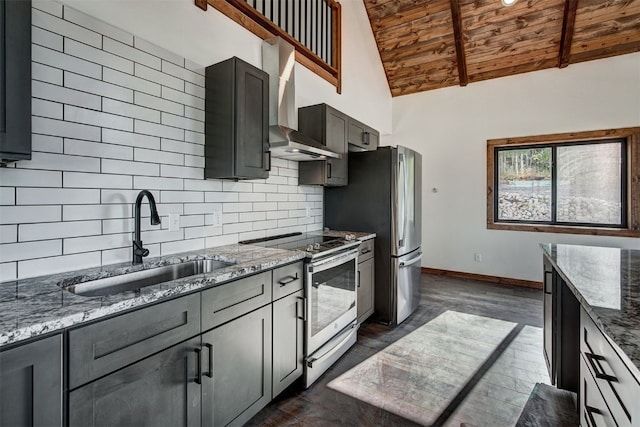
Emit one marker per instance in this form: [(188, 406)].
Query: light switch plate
[(174, 222), (217, 218)]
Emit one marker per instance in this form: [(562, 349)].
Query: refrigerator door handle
[(402, 183), (411, 261)]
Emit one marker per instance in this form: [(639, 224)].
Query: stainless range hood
[(278, 60)]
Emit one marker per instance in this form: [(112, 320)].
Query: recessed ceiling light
[(509, 2)]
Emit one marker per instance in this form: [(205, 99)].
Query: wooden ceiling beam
[(568, 25), (459, 42)]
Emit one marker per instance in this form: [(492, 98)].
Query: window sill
[(565, 229)]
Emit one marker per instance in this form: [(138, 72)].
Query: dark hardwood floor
[(322, 406)]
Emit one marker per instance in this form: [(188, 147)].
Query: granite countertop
[(38, 306), (606, 282)]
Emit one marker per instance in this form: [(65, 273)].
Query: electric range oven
[(331, 270)]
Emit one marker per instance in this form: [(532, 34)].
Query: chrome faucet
[(140, 252)]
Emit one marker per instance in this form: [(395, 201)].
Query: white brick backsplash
[(131, 82), (22, 177), (62, 162), (149, 183), (65, 28), (130, 110), (51, 7), (46, 38), (182, 73), (158, 51), (46, 73), (7, 195), (194, 137), (181, 246), (52, 110), (97, 118), (97, 149), (76, 245), (181, 196), (130, 139), (97, 87), (252, 216), (30, 250), (58, 230), (155, 129), (112, 115), (63, 61), (29, 214), (237, 228), (182, 98), (98, 56), (137, 55), (9, 233), (59, 264), (64, 129), (157, 103), (182, 122), (57, 196), (77, 17), (64, 95), (181, 172), (182, 147), (127, 168), (95, 180), (159, 77)]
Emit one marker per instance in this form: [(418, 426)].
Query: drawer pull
[(589, 411), (365, 251), (210, 347), (597, 369), (198, 365), (288, 279)]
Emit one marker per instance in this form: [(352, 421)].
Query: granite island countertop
[(606, 282), (37, 306)]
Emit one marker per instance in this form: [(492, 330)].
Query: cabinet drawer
[(593, 410), (233, 299), (106, 346), (366, 250), (287, 280), (616, 383)]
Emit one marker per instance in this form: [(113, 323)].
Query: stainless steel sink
[(139, 279)]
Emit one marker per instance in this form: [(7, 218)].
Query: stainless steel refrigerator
[(384, 196)]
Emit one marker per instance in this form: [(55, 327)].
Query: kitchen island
[(592, 329)]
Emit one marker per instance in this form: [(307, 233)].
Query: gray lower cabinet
[(161, 390), (288, 338), (241, 361), (366, 280), (31, 384)]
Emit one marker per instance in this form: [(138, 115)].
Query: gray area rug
[(418, 376)]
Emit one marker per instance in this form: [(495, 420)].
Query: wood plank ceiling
[(430, 44)]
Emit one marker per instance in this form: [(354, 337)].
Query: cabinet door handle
[(210, 347), (597, 369), (328, 169), (358, 273), (288, 279), (304, 308), (589, 411), (366, 137), (268, 153), (198, 365)]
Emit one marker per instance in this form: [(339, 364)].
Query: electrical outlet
[(477, 257), (308, 212), (174, 221), (217, 218)]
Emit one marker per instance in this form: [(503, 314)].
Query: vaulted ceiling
[(430, 44)]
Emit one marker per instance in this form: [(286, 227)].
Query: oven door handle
[(332, 350), (332, 261)]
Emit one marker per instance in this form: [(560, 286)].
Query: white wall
[(210, 37), (450, 128)]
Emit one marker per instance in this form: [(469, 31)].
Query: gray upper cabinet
[(31, 383), (15, 79), (362, 137), (236, 121), (328, 126)]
